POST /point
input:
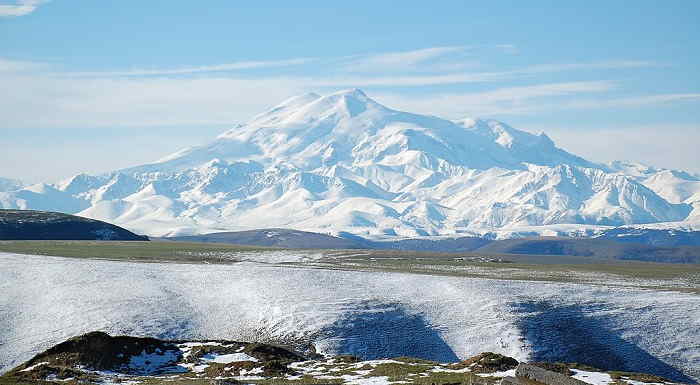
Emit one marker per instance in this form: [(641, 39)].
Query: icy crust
[(344, 162), (47, 299)]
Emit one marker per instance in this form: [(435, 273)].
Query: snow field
[(48, 299)]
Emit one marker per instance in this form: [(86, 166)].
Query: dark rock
[(535, 373), (488, 363)]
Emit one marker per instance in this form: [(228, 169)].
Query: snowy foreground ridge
[(344, 162), (369, 314)]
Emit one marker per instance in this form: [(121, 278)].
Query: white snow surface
[(49, 299), (505, 373), (595, 378), (343, 162), (30, 368), (228, 358)]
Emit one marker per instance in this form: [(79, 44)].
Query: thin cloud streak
[(365, 81), (472, 77), (527, 100), (418, 80), (242, 65), (8, 65), (437, 64), (398, 60), (501, 101), (615, 64), (634, 101), (21, 8)]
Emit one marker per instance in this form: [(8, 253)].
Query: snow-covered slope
[(674, 186), (344, 162), (49, 299)]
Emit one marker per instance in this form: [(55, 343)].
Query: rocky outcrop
[(91, 357), (488, 362), (526, 374), (541, 373)]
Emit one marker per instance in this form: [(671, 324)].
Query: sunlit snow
[(48, 299), (343, 162)]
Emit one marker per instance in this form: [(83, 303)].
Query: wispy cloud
[(422, 67), (20, 7), (50, 102), (614, 64), (8, 65), (412, 80), (500, 101), (633, 101), (459, 77), (664, 145), (529, 100), (508, 48), (398, 60), (357, 63), (229, 93), (242, 65)]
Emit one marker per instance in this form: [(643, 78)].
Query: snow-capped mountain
[(344, 162)]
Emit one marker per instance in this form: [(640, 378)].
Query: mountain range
[(344, 163)]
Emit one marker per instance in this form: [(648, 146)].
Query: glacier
[(345, 163)]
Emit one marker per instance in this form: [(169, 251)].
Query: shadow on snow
[(571, 334), (388, 331)]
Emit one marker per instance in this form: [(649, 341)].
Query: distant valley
[(606, 247), (612, 245)]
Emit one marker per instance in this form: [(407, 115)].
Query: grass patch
[(551, 268), (680, 277), (412, 360), (396, 371), (181, 252), (444, 378), (641, 377), (301, 381)]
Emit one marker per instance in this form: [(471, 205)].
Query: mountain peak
[(501, 133), (352, 92), (351, 102), (350, 96)]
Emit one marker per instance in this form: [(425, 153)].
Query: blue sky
[(91, 86)]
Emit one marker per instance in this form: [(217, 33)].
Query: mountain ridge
[(345, 163)]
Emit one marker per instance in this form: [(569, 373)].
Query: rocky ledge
[(97, 358)]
